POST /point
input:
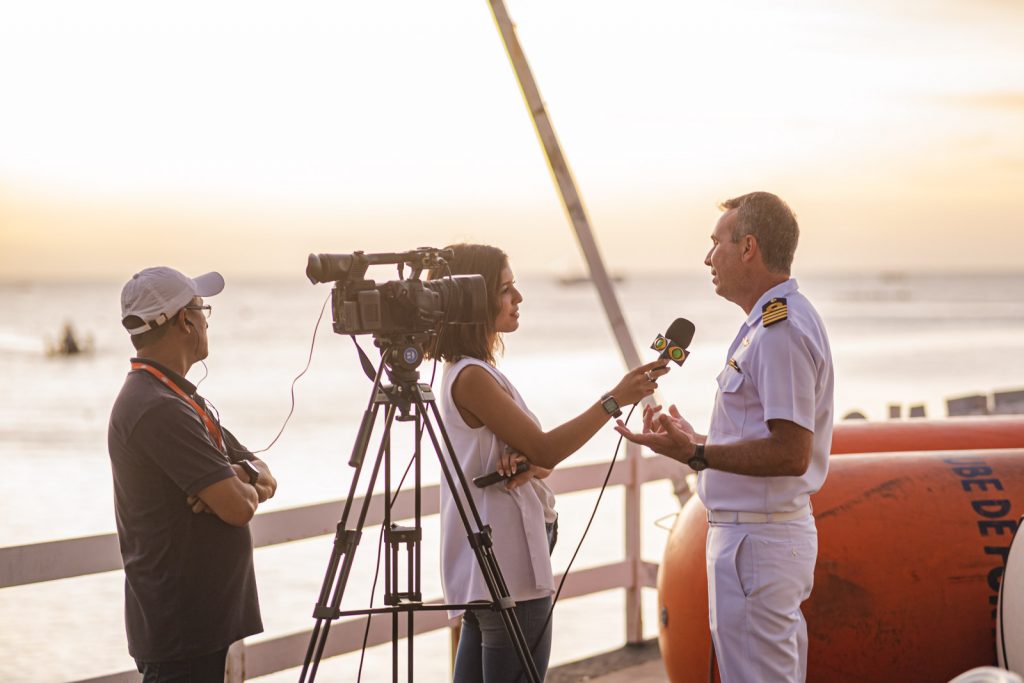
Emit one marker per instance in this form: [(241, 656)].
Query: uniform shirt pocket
[(730, 380), (730, 410)]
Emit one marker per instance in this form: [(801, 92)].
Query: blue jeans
[(205, 669), (487, 655)]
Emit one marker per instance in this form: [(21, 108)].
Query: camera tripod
[(406, 400)]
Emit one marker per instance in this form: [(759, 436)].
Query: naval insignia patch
[(775, 311)]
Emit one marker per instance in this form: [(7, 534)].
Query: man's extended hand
[(652, 423), (669, 435)]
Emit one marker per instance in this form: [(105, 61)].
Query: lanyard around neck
[(211, 426)]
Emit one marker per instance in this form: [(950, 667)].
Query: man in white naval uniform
[(766, 451)]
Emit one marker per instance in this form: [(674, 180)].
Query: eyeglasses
[(207, 309)]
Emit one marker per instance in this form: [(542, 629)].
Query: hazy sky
[(243, 135)]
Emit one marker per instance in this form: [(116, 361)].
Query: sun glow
[(376, 126)]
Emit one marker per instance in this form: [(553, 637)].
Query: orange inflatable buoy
[(959, 433), (911, 552)]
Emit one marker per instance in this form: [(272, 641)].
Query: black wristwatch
[(251, 470), (697, 461), (610, 405)]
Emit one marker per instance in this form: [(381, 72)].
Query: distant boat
[(572, 280), (69, 344)]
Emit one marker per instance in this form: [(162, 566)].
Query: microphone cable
[(586, 530), (677, 329), (590, 521), (376, 576), (312, 345), (380, 539), (309, 361), (206, 373)]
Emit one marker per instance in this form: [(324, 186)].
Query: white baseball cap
[(155, 294)]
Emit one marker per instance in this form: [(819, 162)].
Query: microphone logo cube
[(667, 349), (678, 354)]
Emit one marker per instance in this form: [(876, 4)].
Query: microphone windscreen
[(681, 332)]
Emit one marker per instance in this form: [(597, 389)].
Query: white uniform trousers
[(758, 574)]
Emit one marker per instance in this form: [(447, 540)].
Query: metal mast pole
[(577, 214)]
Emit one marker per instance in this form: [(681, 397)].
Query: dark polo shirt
[(190, 589)]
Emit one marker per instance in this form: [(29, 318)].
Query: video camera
[(400, 307)]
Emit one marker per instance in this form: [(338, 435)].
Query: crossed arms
[(234, 500)]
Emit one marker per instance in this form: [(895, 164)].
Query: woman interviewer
[(492, 429)]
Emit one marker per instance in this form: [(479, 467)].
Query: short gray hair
[(772, 222)]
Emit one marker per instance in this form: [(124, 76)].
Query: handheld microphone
[(486, 480), (673, 343)]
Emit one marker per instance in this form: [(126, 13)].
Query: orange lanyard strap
[(211, 427)]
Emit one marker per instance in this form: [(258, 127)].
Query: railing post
[(633, 512), (54, 560), (234, 672)]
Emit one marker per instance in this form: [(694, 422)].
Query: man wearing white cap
[(184, 491)]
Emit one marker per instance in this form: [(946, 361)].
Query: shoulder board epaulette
[(775, 311)]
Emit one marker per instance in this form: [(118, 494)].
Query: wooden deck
[(639, 663)]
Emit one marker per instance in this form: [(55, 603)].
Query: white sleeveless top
[(516, 517)]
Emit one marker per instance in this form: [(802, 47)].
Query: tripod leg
[(340, 564), (399, 399), (479, 540)]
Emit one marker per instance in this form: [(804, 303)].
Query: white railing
[(40, 562)]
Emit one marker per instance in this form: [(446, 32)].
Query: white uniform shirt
[(783, 372), (517, 518)]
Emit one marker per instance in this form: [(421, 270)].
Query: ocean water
[(896, 338)]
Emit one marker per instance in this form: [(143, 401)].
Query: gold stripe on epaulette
[(774, 311)]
